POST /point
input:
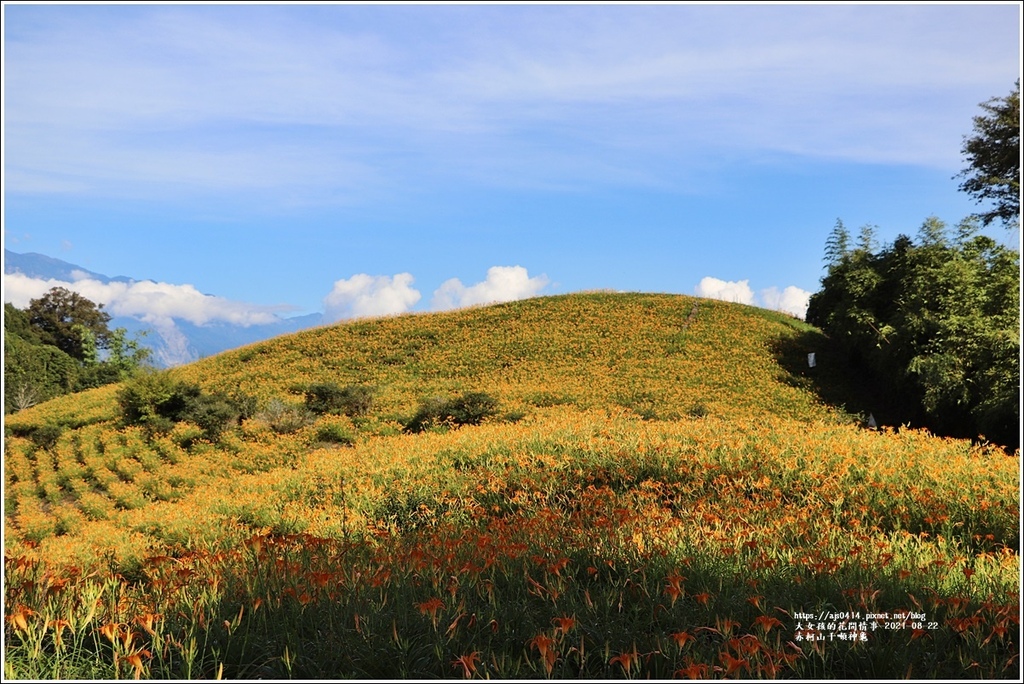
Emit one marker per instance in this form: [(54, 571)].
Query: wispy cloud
[(152, 302), (329, 103), (503, 284)]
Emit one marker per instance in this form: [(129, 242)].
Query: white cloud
[(728, 291), (503, 284), (147, 300), (792, 299), (366, 295)]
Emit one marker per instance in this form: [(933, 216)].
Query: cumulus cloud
[(149, 301), (729, 291), (792, 299), (366, 295), (503, 284)]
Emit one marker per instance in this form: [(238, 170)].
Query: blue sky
[(366, 159)]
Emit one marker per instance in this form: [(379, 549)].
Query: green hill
[(581, 486)]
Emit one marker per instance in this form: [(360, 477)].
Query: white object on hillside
[(811, 361)]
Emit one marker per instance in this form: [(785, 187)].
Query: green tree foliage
[(122, 359), (34, 372), (70, 322), (993, 155), (60, 344), (935, 324)]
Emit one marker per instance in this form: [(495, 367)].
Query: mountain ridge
[(174, 341)]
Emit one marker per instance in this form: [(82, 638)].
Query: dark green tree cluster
[(933, 324), (62, 343)]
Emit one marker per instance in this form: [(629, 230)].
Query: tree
[(932, 326), (62, 344), (62, 318), (993, 155), (34, 372), (122, 359)]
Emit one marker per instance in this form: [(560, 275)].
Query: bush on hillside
[(470, 408), (335, 434), (351, 400), (284, 419), (156, 401), (45, 436)]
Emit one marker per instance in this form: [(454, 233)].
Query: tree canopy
[(59, 344), (932, 324), (69, 321), (993, 157)]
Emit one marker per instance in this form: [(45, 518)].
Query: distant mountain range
[(174, 344)]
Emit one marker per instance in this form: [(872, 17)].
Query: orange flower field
[(661, 493)]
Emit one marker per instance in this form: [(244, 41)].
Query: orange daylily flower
[(19, 618), (110, 631), (58, 627), (430, 607), (767, 622), (682, 638), (564, 624), (732, 664), (543, 644), (694, 671), (702, 598), (468, 663), (135, 660), (626, 659), (146, 622)]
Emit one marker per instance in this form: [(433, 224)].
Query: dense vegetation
[(61, 343), (582, 486), (933, 326)]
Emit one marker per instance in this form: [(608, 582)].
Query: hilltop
[(663, 353), (652, 357), (674, 451)]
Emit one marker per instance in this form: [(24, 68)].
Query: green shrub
[(246, 405), (469, 409), (283, 418), (351, 400), (473, 407), (156, 401), (151, 396), (431, 413), (212, 412), (335, 434), (46, 436)]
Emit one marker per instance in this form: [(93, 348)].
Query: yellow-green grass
[(660, 493)]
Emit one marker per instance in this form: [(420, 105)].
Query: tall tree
[(993, 157), (934, 326), (69, 321)]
